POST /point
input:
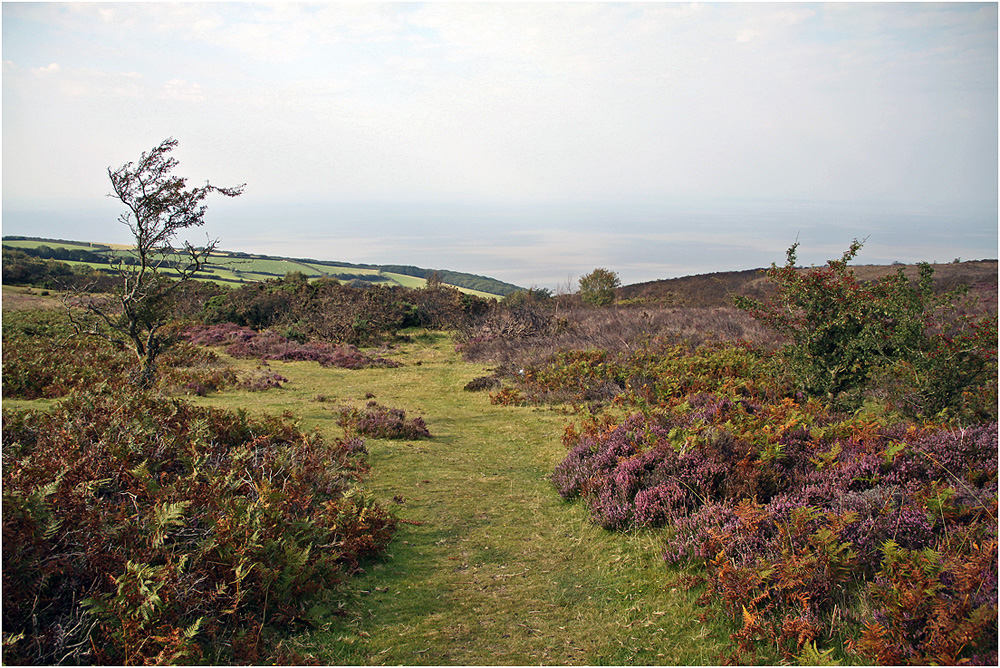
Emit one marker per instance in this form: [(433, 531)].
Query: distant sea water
[(553, 244)]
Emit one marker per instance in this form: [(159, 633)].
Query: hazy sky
[(531, 142)]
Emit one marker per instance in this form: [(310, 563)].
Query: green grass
[(226, 267), (490, 566), (337, 269), (73, 245), (406, 281)]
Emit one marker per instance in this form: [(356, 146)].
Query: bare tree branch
[(158, 207)]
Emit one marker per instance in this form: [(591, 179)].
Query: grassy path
[(491, 566)]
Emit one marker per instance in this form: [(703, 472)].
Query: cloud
[(515, 102), (179, 89), (52, 68)]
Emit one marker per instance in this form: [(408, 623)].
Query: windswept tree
[(158, 207), (598, 287)]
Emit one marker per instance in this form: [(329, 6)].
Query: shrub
[(598, 287), (791, 532), (43, 359), (381, 422), (262, 380), (326, 310), (933, 607), (482, 383), (243, 342), (519, 335), (787, 506), (141, 529), (843, 331)]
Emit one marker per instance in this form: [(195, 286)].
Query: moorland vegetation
[(817, 519), (815, 465)]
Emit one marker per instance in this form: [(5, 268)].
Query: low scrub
[(243, 342), (147, 530), (660, 372), (532, 334), (44, 358), (326, 310), (809, 528), (378, 421), (821, 534)]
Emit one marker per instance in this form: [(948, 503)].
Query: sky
[(530, 142)]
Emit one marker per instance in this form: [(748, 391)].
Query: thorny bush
[(844, 332), (147, 530)]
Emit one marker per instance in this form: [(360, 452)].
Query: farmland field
[(235, 268)]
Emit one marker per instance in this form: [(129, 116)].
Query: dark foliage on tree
[(598, 287)]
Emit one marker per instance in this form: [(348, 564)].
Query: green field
[(227, 267), (72, 245)]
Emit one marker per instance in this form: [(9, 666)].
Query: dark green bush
[(845, 334), (598, 287)]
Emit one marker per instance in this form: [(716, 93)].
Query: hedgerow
[(146, 530)]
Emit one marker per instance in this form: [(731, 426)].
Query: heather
[(513, 333), (244, 343), (699, 462), (379, 421), (831, 490), (798, 530), (140, 529)]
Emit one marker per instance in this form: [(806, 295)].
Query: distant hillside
[(718, 289), (235, 268)]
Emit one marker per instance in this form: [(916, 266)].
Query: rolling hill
[(705, 290), (235, 268), (718, 289)]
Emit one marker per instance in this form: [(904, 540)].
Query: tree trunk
[(147, 354), (147, 373)]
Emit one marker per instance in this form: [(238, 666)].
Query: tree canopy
[(598, 287)]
